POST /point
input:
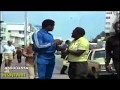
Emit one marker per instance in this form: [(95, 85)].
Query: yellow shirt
[(80, 44)]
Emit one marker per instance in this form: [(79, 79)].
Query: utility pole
[(25, 29), (0, 16)]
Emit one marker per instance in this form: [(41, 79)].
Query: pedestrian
[(19, 54), (113, 50), (45, 47), (64, 56), (30, 60), (77, 55), (9, 54)]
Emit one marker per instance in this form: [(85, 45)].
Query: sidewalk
[(20, 70), (56, 74), (59, 76)]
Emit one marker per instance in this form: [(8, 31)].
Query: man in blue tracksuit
[(45, 46)]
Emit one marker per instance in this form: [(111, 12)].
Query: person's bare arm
[(25, 53), (75, 52), (60, 48)]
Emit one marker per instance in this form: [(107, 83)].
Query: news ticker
[(13, 74)]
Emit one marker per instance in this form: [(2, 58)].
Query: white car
[(92, 66), (98, 55)]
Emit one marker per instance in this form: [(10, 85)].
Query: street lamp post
[(25, 29)]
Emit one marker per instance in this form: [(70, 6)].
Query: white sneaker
[(36, 76)]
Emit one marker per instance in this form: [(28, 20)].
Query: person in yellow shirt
[(77, 55)]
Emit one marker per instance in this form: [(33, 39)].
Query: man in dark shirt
[(1, 51), (19, 54), (113, 49)]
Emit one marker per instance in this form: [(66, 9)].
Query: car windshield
[(99, 54)]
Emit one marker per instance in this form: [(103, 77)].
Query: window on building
[(1, 38), (22, 39), (4, 38), (21, 32), (107, 22), (108, 17), (9, 31), (107, 28), (4, 29), (1, 29), (109, 12)]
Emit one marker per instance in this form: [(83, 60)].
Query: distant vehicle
[(98, 56), (94, 46)]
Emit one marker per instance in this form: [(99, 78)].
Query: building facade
[(111, 18), (4, 32), (15, 32)]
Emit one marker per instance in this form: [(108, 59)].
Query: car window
[(99, 54), (90, 55)]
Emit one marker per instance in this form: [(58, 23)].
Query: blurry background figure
[(64, 57), (35, 66), (19, 54), (113, 49), (30, 60), (1, 52), (9, 54)]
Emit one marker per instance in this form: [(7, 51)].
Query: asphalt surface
[(56, 74)]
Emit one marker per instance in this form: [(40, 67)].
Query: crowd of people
[(40, 55)]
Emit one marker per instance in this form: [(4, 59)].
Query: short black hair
[(67, 41), (47, 22), (80, 31)]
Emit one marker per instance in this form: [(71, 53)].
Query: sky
[(65, 21)]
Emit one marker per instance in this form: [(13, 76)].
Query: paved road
[(15, 71), (58, 66), (56, 74)]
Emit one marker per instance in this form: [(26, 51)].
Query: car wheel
[(93, 74), (96, 75), (90, 76)]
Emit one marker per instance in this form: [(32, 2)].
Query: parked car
[(92, 66), (98, 56)]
